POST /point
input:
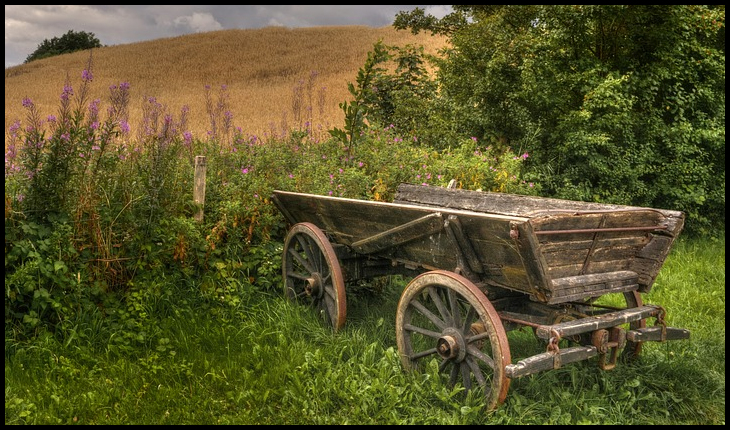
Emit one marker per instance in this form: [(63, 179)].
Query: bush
[(70, 42)]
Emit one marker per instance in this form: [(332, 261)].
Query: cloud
[(197, 23)]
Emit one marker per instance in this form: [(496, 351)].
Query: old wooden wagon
[(481, 265)]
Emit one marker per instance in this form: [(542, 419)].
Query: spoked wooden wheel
[(444, 316), (312, 273)]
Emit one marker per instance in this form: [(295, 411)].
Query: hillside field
[(261, 69)]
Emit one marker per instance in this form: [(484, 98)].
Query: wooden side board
[(554, 250), (574, 238), (408, 233)]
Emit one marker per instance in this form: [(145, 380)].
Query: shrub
[(70, 42)]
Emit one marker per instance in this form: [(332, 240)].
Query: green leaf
[(60, 266)]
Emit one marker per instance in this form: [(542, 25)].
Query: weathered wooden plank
[(549, 360), (464, 245), (628, 218), (603, 242), (592, 285), (651, 258), (396, 236), (599, 255), (579, 293), (589, 324), (598, 267), (498, 203), (535, 281), (582, 281), (657, 334)]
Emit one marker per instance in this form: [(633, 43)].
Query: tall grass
[(267, 361)]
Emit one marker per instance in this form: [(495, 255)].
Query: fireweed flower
[(94, 108), (10, 155), (68, 91), (87, 76), (27, 103), (13, 129), (188, 138)]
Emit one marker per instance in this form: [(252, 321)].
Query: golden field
[(261, 69)]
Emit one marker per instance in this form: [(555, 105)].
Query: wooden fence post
[(199, 186)]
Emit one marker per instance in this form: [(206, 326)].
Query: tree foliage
[(614, 103), (70, 42)]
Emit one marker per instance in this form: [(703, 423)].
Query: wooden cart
[(483, 264)]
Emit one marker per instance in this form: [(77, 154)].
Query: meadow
[(121, 309), (260, 360)]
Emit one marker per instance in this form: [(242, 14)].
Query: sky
[(26, 27)]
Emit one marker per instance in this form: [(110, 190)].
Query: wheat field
[(261, 69)]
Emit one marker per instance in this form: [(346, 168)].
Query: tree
[(70, 42), (614, 103)]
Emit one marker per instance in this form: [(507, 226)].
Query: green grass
[(266, 361)]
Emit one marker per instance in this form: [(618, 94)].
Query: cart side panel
[(635, 239), (507, 253), (349, 222), (591, 243)]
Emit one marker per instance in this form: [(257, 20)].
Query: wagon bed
[(484, 264), (554, 250)]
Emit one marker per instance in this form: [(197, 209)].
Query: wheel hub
[(313, 286), (451, 345)]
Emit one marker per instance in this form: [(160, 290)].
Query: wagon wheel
[(312, 273), (445, 316)]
